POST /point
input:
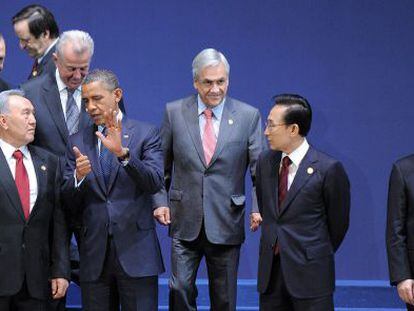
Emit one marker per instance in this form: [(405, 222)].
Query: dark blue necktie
[(105, 159)]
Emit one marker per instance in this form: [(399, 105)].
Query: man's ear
[(3, 122), (118, 94), (294, 129)]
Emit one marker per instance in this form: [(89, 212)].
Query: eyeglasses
[(271, 126)]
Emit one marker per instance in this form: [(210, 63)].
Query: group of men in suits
[(119, 174)]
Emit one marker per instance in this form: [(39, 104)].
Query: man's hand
[(255, 221), (162, 215), (112, 141), (405, 291), (59, 287), (83, 166)]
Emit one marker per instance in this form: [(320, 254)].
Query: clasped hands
[(112, 141)]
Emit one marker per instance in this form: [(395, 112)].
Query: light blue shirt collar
[(217, 110)]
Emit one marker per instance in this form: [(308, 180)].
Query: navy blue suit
[(120, 211), (309, 226)]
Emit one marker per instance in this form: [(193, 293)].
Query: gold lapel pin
[(310, 170), (231, 121), (43, 167)]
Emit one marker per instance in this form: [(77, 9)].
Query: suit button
[(23, 246)]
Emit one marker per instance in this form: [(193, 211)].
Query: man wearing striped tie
[(209, 141)]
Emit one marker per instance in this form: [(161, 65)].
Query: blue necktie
[(72, 113), (105, 159)]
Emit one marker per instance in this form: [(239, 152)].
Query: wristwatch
[(125, 156)]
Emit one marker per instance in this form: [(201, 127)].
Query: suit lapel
[(273, 169), (226, 128), (126, 139), (7, 182), (301, 178), (51, 98), (90, 141), (190, 113), (41, 171)]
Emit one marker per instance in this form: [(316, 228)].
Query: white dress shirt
[(63, 93), (8, 151), (296, 156)]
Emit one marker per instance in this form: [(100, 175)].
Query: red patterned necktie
[(283, 189), (34, 71), (283, 179), (22, 183), (209, 139)]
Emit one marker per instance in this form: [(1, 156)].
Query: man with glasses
[(304, 199), (209, 141)]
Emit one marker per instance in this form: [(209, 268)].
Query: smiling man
[(304, 199), (112, 168), (209, 141), (33, 232), (37, 30)]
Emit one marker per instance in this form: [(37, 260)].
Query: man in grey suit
[(209, 141)]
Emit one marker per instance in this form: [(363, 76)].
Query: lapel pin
[(310, 170), (43, 167), (231, 121), (126, 136)]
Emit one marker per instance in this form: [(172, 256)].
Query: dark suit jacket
[(3, 86), (25, 250), (51, 130), (400, 221), (213, 193), (310, 226), (46, 66), (124, 208)]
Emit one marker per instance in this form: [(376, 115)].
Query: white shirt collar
[(47, 50), (61, 85), (297, 155), (9, 149)]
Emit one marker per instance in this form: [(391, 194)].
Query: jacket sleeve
[(337, 199), (396, 232)]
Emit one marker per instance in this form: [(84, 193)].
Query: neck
[(294, 145)]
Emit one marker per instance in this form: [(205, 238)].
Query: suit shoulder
[(242, 105), (178, 103), (142, 127), (43, 152), (406, 163), (268, 154), (36, 83), (327, 161)]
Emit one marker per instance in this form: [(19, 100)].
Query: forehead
[(92, 88), (19, 103), (277, 113), (71, 57), (22, 28), (213, 72)]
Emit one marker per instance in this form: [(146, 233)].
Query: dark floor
[(349, 295)]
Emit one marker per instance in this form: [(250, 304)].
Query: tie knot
[(18, 155), (286, 161), (70, 91), (208, 113)]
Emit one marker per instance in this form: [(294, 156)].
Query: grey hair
[(81, 41), (209, 57), (5, 96), (1, 36), (107, 77)]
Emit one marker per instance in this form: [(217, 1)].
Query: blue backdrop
[(352, 59)]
